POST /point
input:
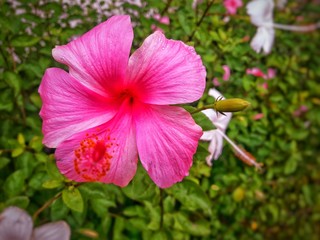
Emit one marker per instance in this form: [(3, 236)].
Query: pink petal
[(255, 72), (52, 231), (166, 71), (271, 73), (15, 223), (258, 116), (107, 153), (226, 74), (99, 58), (69, 107), (167, 138), (232, 6)]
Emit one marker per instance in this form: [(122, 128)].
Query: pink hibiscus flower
[(232, 6), (111, 108)]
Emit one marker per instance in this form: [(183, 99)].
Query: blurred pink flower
[(271, 73), (109, 108), (164, 20), (195, 3), (226, 74), (257, 72), (258, 116), (221, 122), (265, 85), (232, 6), (215, 82), (301, 110), (16, 224)]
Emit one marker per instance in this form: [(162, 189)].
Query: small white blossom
[(221, 122), (261, 15)]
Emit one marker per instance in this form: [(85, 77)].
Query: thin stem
[(11, 52), (45, 205), (238, 150), (4, 57), (211, 106), (201, 19), (306, 28), (166, 8)]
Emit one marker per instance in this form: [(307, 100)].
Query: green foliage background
[(227, 201)]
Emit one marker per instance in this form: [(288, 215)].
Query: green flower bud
[(230, 105)]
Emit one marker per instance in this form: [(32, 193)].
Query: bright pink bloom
[(109, 108), (226, 74), (232, 6)]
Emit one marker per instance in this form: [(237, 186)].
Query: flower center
[(93, 157), (128, 95)]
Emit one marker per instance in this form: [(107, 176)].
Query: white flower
[(214, 136), (261, 15)]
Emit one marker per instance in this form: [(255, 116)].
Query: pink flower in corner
[(111, 108), (232, 6)]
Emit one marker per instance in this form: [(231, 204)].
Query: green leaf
[(72, 198), (36, 100), (291, 165), (25, 41), (14, 184), (26, 162), (36, 143), (58, 210), (19, 201), (14, 81), (37, 180), (135, 211), (154, 214), (201, 227), (160, 235), (100, 206), (141, 187), (4, 162), (17, 151), (53, 171), (191, 196), (238, 194), (21, 139), (52, 183), (200, 118)]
